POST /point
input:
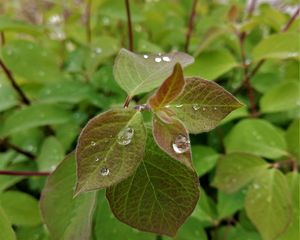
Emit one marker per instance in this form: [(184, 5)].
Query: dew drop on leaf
[(181, 144), (204, 109), (157, 59), (104, 171), (97, 159), (93, 143), (179, 105), (125, 136), (146, 56), (166, 59), (196, 107), (98, 50)]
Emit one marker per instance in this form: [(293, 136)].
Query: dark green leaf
[(292, 137)]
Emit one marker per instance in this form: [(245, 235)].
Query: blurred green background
[(60, 55)]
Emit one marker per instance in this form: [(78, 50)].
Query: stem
[(23, 173), (127, 101), (5, 143), (88, 21), (9, 75), (130, 33), (251, 8), (190, 26), (292, 19)]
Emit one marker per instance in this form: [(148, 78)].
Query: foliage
[(219, 104)]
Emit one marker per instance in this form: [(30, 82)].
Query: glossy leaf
[(22, 58), (212, 64), (8, 96), (256, 136), (173, 139), (282, 97), (169, 89), (292, 137), (278, 46), (110, 148), (268, 204), (8, 24), (21, 208), (6, 230), (66, 217), (141, 73), (203, 104), (236, 170), (34, 116), (159, 196)]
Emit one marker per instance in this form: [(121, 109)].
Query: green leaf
[(292, 231), (51, 154), (244, 234), (8, 24), (6, 230), (27, 233), (173, 138), (277, 46), (268, 204), (107, 227), (138, 74), (256, 136), (236, 170), (23, 57), (282, 97), (8, 96), (292, 137), (159, 196), (110, 148), (203, 104), (204, 158), (21, 208), (169, 89), (212, 64), (34, 116), (66, 217)]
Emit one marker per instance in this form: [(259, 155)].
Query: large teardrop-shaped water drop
[(125, 136), (104, 171), (181, 144)]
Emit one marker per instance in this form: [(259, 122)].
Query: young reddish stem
[(130, 33), (127, 101), (9, 75), (190, 26), (292, 19), (23, 173)]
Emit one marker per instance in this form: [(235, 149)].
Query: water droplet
[(146, 56), (125, 136), (52, 168), (97, 159), (166, 59), (157, 59), (196, 107), (204, 109), (98, 50), (141, 107), (215, 108), (104, 171), (179, 105), (256, 186), (159, 54), (181, 144), (93, 143), (167, 106)]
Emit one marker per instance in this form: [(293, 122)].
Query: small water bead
[(104, 171), (181, 144), (146, 56), (125, 136), (98, 50), (215, 108), (204, 109), (196, 106), (256, 186), (93, 143), (157, 59), (97, 159), (179, 105), (166, 59)]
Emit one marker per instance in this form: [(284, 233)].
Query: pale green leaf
[(6, 230), (212, 64), (21, 208), (278, 46), (141, 73), (268, 204), (8, 96), (34, 116), (256, 136), (236, 170), (292, 137), (159, 196), (282, 97), (203, 104), (66, 217), (8, 24), (110, 148)]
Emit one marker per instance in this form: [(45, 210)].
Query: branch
[(9, 75), (23, 173), (190, 26), (251, 8), (127, 101), (88, 21), (292, 19), (6, 144), (130, 34)]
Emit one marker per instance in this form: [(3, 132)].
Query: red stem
[(127, 101), (292, 19), (130, 33), (17, 149), (190, 26), (23, 173)]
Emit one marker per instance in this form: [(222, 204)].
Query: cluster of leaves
[(59, 72)]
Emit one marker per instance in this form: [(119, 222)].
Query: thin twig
[(6, 144), (23, 173), (9, 75), (127, 101), (190, 26), (88, 21), (251, 8), (292, 19), (130, 33)]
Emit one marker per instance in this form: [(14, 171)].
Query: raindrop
[(52, 168), (159, 54), (157, 59), (146, 56), (204, 109), (256, 186), (125, 136), (98, 50), (179, 105), (181, 144), (215, 108), (97, 159), (196, 107), (104, 171), (93, 143), (166, 59)]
